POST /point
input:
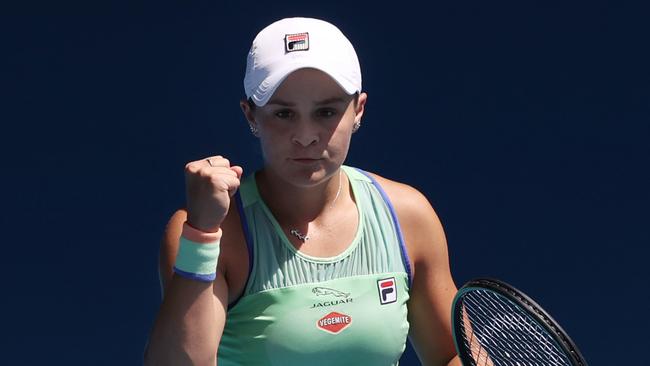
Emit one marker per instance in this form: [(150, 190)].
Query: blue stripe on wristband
[(197, 260), (196, 277)]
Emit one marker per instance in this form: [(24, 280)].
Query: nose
[(305, 134)]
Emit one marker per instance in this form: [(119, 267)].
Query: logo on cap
[(387, 290), (334, 322), (296, 42)]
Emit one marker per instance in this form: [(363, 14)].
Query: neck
[(298, 206)]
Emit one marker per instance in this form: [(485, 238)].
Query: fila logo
[(296, 42), (334, 322), (387, 290)]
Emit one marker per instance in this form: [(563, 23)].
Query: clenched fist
[(210, 183)]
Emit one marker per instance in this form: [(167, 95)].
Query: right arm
[(189, 324), (192, 315)]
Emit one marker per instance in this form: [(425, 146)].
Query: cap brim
[(268, 86)]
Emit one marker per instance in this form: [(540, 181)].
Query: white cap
[(295, 43)]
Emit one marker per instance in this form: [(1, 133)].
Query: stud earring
[(254, 130), (356, 125)]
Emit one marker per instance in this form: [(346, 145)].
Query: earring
[(356, 125), (254, 130)]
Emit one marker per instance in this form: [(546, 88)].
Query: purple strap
[(249, 244), (400, 237)]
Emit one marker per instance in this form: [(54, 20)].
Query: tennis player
[(306, 261)]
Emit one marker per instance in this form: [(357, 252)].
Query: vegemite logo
[(334, 322), (387, 290), (296, 42)]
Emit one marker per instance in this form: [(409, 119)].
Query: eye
[(326, 112), (284, 114)]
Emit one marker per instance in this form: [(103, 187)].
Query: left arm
[(433, 289)]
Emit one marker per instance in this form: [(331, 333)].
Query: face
[(306, 127)]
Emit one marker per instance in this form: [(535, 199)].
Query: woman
[(318, 263)]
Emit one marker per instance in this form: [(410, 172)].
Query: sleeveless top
[(297, 309)]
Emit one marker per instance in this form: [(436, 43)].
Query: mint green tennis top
[(302, 310)]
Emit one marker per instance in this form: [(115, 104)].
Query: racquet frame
[(519, 298)]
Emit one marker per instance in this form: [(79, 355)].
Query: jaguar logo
[(341, 297), (324, 291)]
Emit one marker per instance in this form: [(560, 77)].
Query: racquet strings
[(498, 332)]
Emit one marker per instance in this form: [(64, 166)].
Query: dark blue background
[(525, 123)]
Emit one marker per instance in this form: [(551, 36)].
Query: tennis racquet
[(495, 324)]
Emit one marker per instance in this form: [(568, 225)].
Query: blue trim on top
[(249, 244), (398, 228), (195, 276)]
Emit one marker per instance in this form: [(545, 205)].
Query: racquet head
[(495, 324)]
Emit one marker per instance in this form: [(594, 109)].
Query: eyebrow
[(332, 100)]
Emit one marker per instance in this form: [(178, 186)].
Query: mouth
[(305, 160)]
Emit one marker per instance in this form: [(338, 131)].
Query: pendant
[(300, 236)]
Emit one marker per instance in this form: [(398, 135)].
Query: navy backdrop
[(525, 123)]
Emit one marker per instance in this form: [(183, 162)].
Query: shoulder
[(407, 200)]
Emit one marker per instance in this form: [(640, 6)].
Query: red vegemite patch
[(334, 322)]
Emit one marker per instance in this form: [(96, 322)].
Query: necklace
[(298, 235), (304, 237)]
